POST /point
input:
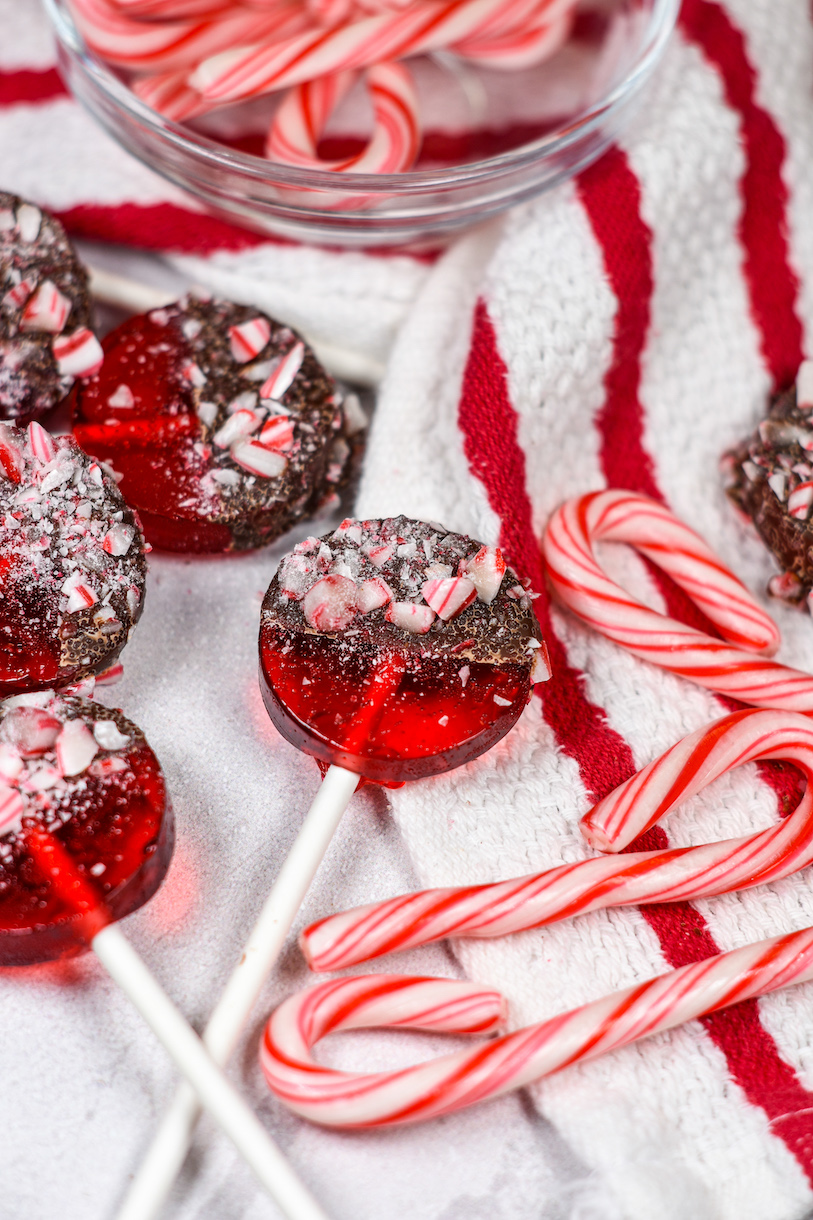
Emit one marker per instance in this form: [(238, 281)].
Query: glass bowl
[(573, 105)]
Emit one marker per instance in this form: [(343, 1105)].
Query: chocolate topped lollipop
[(223, 424), (396, 648), (770, 479), (85, 775), (72, 565), (45, 312), (391, 649)]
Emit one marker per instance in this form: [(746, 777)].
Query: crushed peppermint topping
[(374, 576), (67, 544)]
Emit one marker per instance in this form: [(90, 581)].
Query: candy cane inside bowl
[(736, 665), (466, 187)]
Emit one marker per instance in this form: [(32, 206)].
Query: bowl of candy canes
[(361, 122)]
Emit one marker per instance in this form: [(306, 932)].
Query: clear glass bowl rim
[(661, 23)]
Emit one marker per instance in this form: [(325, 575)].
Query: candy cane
[(305, 110), (247, 71), (677, 875), (408, 1095), (728, 666), (169, 45)]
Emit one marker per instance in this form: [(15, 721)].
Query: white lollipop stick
[(168, 1150), (126, 293), (217, 1094)]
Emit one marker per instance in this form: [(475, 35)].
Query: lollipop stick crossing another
[(219, 1097), (167, 1152)]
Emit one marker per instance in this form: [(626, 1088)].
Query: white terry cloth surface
[(668, 1125), (664, 1129)]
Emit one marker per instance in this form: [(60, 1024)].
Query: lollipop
[(770, 479), (85, 775), (391, 649), (71, 561), (86, 835), (677, 875), (441, 1086), (223, 425), (45, 310)]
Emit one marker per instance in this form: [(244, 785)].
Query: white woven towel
[(622, 330)]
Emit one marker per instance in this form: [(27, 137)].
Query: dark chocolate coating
[(496, 633), (30, 382), (778, 458)]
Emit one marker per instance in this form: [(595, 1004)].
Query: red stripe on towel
[(27, 86), (611, 196), (772, 282)]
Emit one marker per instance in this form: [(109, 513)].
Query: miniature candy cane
[(247, 71), (408, 1095), (166, 46), (677, 875), (728, 665), (305, 110)]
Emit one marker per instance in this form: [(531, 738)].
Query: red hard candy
[(224, 427), (84, 777)]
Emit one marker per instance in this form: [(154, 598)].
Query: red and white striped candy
[(168, 45), (79, 595), (258, 460), (449, 597), (248, 339), (486, 569), (79, 354), (47, 310), (16, 297), (304, 113), (241, 424), (11, 808), (728, 666), (118, 539), (373, 594), (41, 442), (284, 374), (799, 501), (76, 747), (277, 433), (677, 875), (440, 1086), (410, 617), (330, 604)]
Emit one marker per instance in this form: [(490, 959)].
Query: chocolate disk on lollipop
[(45, 312), (770, 479), (397, 649), (72, 566), (85, 775), (224, 426)]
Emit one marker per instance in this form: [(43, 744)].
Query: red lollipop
[(72, 563), (222, 423), (86, 834), (393, 649), (86, 776)]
